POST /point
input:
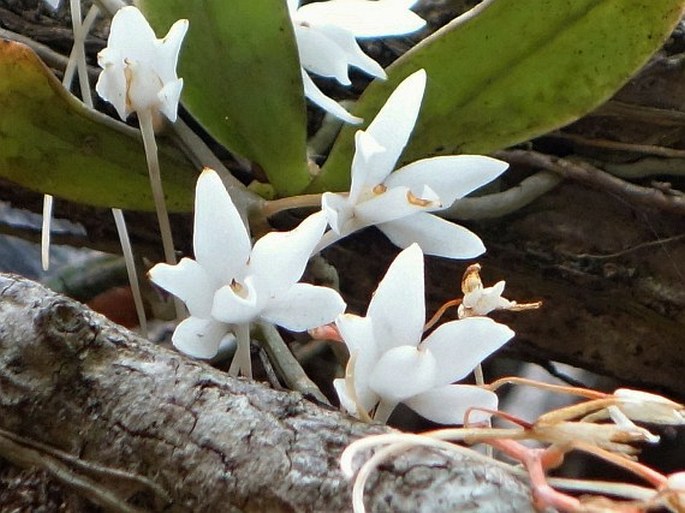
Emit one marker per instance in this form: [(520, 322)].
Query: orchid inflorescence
[(395, 356)]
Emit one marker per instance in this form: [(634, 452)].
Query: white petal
[(458, 346), (168, 50), (53, 3), (279, 258), (403, 372), (394, 123), (453, 177), (346, 402), (364, 18), (353, 54), (435, 235), (132, 36), (220, 238), (448, 404), (189, 282), (169, 96), (365, 176), (393, 204), (397, 309), (357, 333), (237, 306), (303, 307), (337, 210), (484, 301), (111, 85), (292, 7), (314, 94), (321, 54), (199, 338)]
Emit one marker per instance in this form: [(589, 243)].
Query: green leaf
[(242, 80), (511, 70), (51, 143)]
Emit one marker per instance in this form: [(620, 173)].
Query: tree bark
[(72, 380)]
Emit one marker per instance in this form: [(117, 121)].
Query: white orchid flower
[(139, 75), (389, 364), (326, 35), (399, 202), (479, 300), (231, 284), (139, 70)]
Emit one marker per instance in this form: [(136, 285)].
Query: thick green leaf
[(50, 142), (242, 80), (511, 70)]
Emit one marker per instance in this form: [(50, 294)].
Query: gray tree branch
[(162, 432)]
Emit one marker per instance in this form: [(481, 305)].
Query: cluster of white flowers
[(231, 284)]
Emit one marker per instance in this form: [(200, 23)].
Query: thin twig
[(287, 366), (553, 371), (648, 166), (45, 230), (50, 57), (654, 115), (26, 457), (598, 179), (88, 466), (637, 247), (649, 149), (127, 250)]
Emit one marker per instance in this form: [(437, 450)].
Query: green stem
[(148, 132), (302, 201), (383, 411), (287, 365)]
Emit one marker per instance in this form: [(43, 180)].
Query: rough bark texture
[(72, 380)]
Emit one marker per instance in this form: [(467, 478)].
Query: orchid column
[(139, 75)]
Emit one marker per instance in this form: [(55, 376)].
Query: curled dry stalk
[(561, 434)]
